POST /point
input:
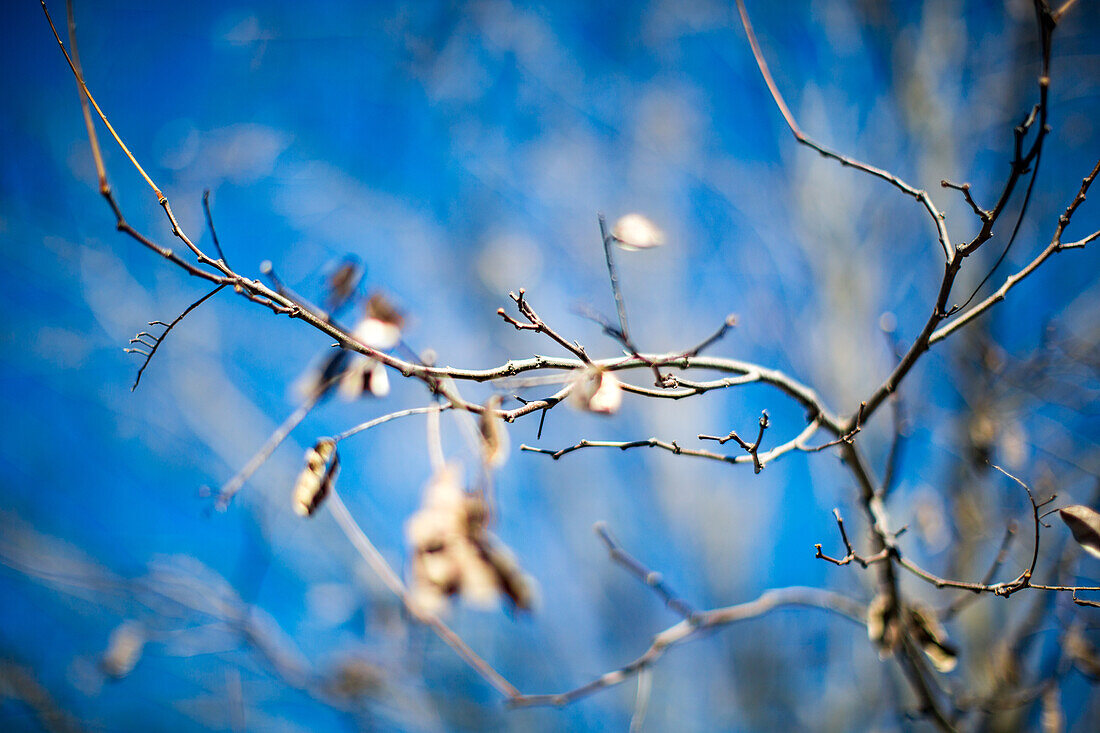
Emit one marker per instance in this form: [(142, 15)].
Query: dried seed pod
[(596, 390), (124, 648), (453, 554), (932, 638), (494, 438), (317, 478), (1084, 523), (634, 231)]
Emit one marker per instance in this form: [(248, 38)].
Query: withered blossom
[(317, 478), (596, 390), (454, 554)]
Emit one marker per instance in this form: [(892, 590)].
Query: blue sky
[(462, 151)]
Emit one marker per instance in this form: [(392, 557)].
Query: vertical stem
[(620, 306)]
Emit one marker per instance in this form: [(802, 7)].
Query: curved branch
[(705, 620)]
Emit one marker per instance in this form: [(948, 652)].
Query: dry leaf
[(932, 638), (317, 478), (1084, 523), (494, 438)]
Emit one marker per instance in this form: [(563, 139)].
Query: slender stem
[(378, 564)]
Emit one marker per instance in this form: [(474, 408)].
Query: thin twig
[(965, 600), (965, 188), (210, 223), (386, 418), (641, 700), (613, 275), (1011, 281), (796, 443), (538, 325), (378, 564), (685, 630), (232, 486), (751, 449), (158, 340), (435, 440), (850, 554), (644, 574), (920, 195)]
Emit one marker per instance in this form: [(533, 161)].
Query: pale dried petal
[(377, 334), (364, 375), (379, 307), (634, 231), (428, 597), (378, 381), (596, 390), (480, 585), (608, 397), (354, 379)]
